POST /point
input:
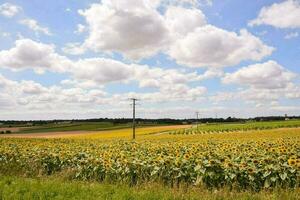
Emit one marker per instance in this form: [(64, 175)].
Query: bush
[(8, 131)]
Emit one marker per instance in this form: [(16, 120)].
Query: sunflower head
[(212, 162), (292, 162)]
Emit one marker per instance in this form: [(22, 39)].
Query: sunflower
[(255, 161), (186, 156), (229, 164), (211, 162), (250, 170), (291, 162)]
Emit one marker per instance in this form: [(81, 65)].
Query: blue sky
[(83, 59)]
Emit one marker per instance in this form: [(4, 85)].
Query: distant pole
[(133, 117), (197, 115)]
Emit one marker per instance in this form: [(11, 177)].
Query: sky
[(74, 59)]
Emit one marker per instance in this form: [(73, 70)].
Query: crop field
[(67, 127), (253, 160), (231, 127), (103, 134)]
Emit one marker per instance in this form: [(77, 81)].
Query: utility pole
[(133, 117), (197, 115)]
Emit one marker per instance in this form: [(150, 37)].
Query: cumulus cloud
[(30, 96), (267, 75), (209, 46), (30, 54), (30, 93), (285, 14), (102, 70), (9, 10), (35, 26), (171, 93), (157, 77), (91, 72), (31, 87), (138, 30), (134, 28), (181, 21)]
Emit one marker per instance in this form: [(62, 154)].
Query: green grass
[(12, 188)]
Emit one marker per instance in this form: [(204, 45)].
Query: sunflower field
[(251, 161)]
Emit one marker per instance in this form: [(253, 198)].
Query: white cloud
[(35, 55), (102, 70), (181, 21), (86, 84), (285, 14), (80, 29), (9, 10), (33, 99), (291, 35), (292, 91), (35, 26), (91, 72), (157, 77), (209, 46), (31, 87), (136, 29), (132, 27), (211, 73), (73, 49), (170, 93), (30, 94), (269, 75)]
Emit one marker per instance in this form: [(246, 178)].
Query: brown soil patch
[(44, 135), (12, 129)]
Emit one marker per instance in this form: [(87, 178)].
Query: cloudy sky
[(84, 59)]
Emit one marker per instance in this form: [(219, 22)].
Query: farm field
[(104, 134), (252, 161), (68, 127), (232, 127)]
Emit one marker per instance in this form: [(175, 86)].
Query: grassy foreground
[(25, 188)]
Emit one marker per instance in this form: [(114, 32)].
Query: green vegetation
[(63, 126), (255, 164), (252, 161), (5, 132), (76, 126), (12, 188), (231, 127)]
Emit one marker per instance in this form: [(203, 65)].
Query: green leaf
[(283, 176), (267, 183), (267, 173)]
